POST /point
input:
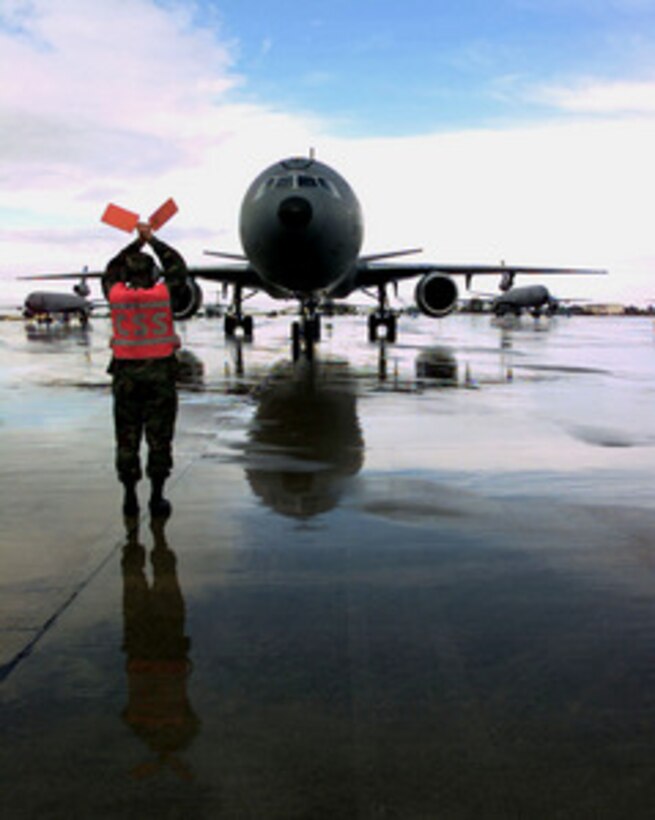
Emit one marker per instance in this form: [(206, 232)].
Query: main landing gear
[(235, 319), (382, 317), (234, 322), (305, 331)]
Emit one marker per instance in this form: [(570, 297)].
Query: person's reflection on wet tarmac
[(305, 440), (157, 653)]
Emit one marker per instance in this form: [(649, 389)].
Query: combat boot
[(160, 507), (130, 500)]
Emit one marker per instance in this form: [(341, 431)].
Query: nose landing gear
[(305, 331)]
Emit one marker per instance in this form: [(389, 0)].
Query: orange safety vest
[(142, 321)]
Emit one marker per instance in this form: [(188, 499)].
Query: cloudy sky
[(480, 130)]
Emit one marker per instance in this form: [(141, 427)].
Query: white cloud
[(597, 97), (122, 102), (126, 103), (105, 83)]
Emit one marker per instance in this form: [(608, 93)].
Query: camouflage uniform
[(145, 393)]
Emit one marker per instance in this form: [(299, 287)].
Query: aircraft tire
[(247, 325), (372, 328), (391, 329), (229, 325)]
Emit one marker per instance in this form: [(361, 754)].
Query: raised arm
[(115, 270), (173, 265)]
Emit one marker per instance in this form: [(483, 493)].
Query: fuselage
[(526, 297), (301, 228), (45, 302)]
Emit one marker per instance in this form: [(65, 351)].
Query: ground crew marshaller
[(143, 365)]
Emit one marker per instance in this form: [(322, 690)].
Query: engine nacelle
[(186, 299), (436, 295)]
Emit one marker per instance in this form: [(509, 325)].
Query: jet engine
[(186, 299), (436, 295)]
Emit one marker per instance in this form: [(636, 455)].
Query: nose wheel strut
[(305, 332)]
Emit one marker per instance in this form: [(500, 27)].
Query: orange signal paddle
[(127, 221), (119, 218), (163, 214)]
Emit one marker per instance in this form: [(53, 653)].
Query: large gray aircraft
[(301, 229)]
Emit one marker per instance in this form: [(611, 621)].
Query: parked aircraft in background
[(45, 306), (301, 228), (536, 299)]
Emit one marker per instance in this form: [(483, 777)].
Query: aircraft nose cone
[(295, 212)]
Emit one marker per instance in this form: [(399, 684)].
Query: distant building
[(610, 309)]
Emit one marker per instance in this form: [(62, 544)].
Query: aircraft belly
[(302, 266)]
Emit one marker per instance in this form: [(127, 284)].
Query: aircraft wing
[(55, 276), (372, 274), (235, 274), (231, 274)]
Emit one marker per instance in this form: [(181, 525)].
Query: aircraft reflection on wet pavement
[(57, 332), (305, 440), (435, 366), (157, 653), (190, 370)]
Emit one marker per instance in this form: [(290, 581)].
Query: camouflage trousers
[(145, 403)]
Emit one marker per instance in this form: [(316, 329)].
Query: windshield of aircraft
[(298, 181)]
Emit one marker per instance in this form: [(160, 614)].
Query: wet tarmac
[(403, 581)]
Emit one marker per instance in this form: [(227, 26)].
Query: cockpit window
[(298, 181), (324, 183), (265, 186)]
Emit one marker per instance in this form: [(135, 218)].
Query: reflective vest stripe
[(142, 321), (174, 340), (139, 305)]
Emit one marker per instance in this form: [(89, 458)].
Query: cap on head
[(140, 269)]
